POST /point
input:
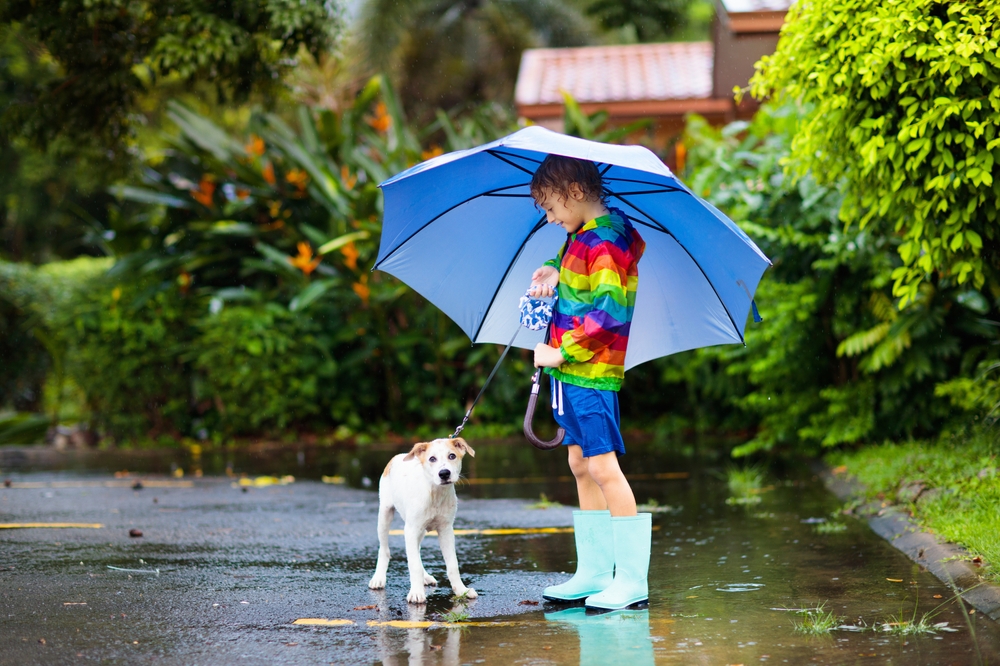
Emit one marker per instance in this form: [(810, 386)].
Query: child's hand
[(543, 282), (547, 357)]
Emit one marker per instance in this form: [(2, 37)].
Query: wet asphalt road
[(728, 581), (236, 569)]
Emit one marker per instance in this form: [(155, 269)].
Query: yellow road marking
[(14, 526), (320, 622), (407, 624), (501, 531), (148, 483), (401, 624), (545, 479), (504, 531)]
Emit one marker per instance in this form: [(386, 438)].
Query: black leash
[(488, 380)]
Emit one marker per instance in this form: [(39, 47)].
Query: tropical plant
[(288, 218), (650, 19), (834, 361), (902, 110), (442, 53)]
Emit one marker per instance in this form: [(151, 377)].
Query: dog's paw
[(377, 582), (416, 596), (465, 593), (429, 579)]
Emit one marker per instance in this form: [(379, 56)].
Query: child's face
[(568, 212)]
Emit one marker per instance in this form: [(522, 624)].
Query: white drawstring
[(557, 397)]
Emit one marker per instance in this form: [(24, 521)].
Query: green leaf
[(142, 195), (341, 241), (308, 295)]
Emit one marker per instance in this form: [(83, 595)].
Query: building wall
[(735, 55)]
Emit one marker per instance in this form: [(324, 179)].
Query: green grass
[(901, 626), (960, 475), (544, 503), (454, 616), (817, 621), (830, 528), (745, 481)]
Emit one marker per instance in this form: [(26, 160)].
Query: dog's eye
[(451, 456), (433, 459)]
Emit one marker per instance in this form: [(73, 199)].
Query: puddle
[(729, 583)]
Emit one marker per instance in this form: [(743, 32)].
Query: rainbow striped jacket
[(597, 282)]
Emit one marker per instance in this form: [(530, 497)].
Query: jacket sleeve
[(606, 280), (556, 262)]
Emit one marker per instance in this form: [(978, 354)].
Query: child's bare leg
[(607, 474), (591, 497)]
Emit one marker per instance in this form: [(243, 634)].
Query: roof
[(740, 6), (753, 16), (628, 75)]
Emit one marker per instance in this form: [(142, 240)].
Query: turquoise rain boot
[(633, 539), (595, 558), (619, 637)]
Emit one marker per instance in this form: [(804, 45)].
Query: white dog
[(420, 485)]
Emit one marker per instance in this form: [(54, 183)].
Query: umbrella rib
[(500, 157), (661, 191), (538, 225), (670, 188), (705, 275), (442, 214)]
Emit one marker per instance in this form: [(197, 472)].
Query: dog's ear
[(464, 445), (417, 450)]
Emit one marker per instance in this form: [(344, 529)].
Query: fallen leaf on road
[(938, 596), (527, 602), (371, 607), (135, 533)]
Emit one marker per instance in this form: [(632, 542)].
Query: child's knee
[(604, 468), (577, 463)]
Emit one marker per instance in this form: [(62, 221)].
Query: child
[(595, 278)]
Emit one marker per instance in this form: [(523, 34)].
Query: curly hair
[(556, 173)]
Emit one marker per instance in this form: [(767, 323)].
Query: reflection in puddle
[(615, 637)]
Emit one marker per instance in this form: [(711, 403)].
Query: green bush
[(263, 368), (126, 347)]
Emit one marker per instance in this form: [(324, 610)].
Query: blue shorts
[(590, 418)]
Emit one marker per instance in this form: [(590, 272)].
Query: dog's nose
[(445, 474)]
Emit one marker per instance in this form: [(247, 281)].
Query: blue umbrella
[(463, 231)]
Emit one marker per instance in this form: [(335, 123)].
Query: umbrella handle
[(529, 416)]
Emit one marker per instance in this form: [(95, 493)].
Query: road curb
[(949, 562)]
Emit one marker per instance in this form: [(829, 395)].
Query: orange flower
[(298, 178), (242, 194), (680, 154), (346, 178), (361, 288), (205, 191), (256, 146), (268, 173), (304, 261), (350, 253), (381, 121), (434, 151)]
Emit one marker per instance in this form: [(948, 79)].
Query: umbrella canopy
[(463, 231)]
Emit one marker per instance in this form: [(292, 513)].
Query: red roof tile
[(632, 73)]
